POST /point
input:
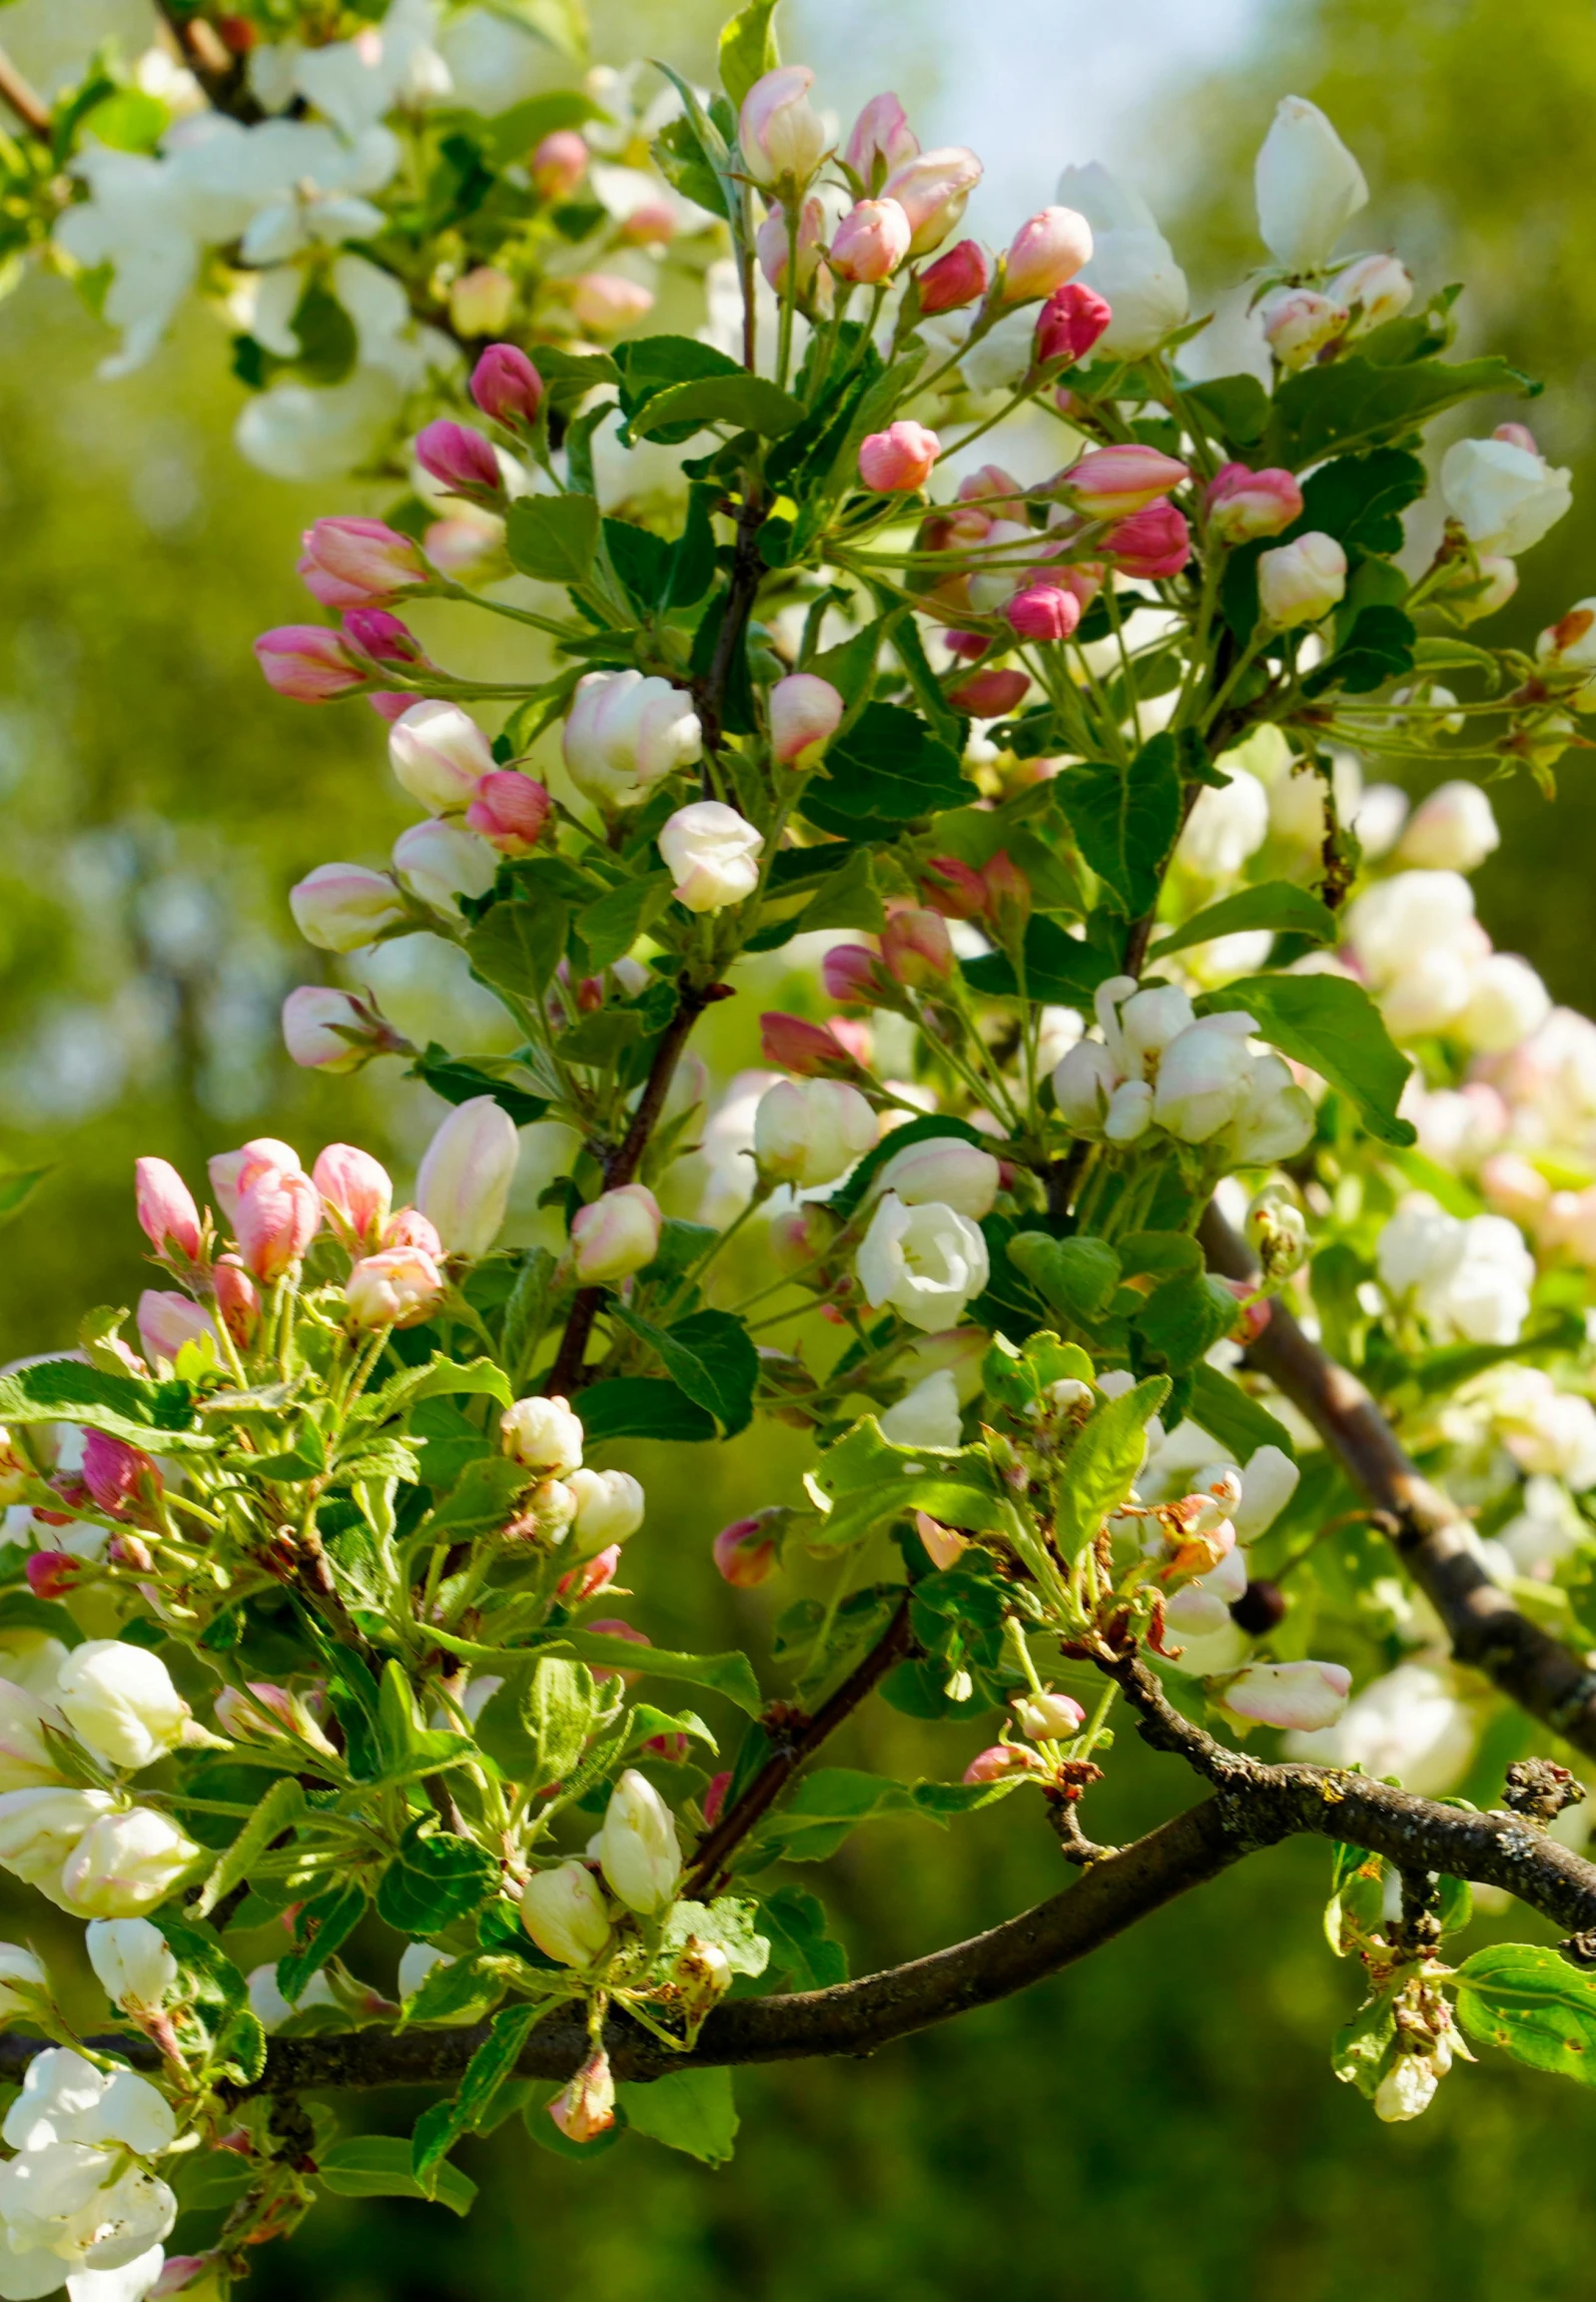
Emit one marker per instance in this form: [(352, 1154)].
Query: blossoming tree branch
[(1166, 1162)]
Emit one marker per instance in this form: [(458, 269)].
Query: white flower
[(132, 1960), (712, 854), (928, 1415), (1308, 1696), (1469, 1279), (1132, 265), (625, 734), (1503, 496), (66, 2201), (1201, 1077), (65, 2099), (25, 1760), (40, 1828), (1274, 1116), (564, 1912), (441, 862), (1507, 1002), (609, 1509), (956, 1173), (926, 1263), (543, 1434), (21, 1978), (1545, 1430), (1308, 186), (1407, 1724), (1453, 829), (637, 1846), (809, 1132), (353, 83), (463, 1187), (124, 1865), (269, 2006), (311, 431), (438, 753), (119, 1699), (1224, 829)]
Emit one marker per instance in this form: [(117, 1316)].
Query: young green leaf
[(1275, 905), (689, 2111), (1527, 2000), (553, 539), (1125, 819), (378, 2166), (1101, 1465)]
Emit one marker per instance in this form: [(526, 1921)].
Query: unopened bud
[(748, 1552), (1049, 1718), (1277, 1229), (587, 2108)]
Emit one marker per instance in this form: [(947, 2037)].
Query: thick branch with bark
[(1431, 1537)]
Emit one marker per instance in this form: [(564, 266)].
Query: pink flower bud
[(115, 1473), (592, 1576), (615, 1234), (961, 276), (1243, 504), (746, 1553), (307, 663), (1155, 541), (900, 459), (805, 714), (605, 302), (917, 949), (356, 1193), (508, 810), (1111, 482), (810, 1050), (277, 1216), (587, 2108), (651, 224), (1049, 248), (870, 243), (340, 906), (167, 1321), (715, 1796), (933, 189), (50, 1574), (955, 889), (1071, 322), (481, 302), (1299, 323), (853, 975), (460, 458), (1307, 1696), (1517, 436), (238, 1305), (560, 163), (317, 1020), (410, 1229), (1001, 1761), (373, 631), (775, 252), (990, 694), (1300, 582), (1049, 1718), (880, 139), (399, 1286), (232, 1173), (782, 138), (943, 1546), (1043, 612), (348, 563), (168, 1216), (507, 386)]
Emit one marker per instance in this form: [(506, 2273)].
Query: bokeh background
[(1160, 2125)]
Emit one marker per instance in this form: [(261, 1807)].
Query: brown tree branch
[(1430, 1536), (18, 92), (219, 73)]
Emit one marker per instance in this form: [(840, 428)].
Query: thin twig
[(18, 91)]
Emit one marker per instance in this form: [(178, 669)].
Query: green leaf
[(728, 1922), (887, 769), (439, 2128), (321, 1927), (67, 1392), (1234, 1417), (440, 1379), (794, 1922), (1354, 403), (535, 1725), (553, 539), (1125, 819), (1103, 1463), (1058, 968), (434, 1878), (563, 24), (1332, 1026), (689, 2111), (378, 2166), (1077, 1276), (1360, 500), (480, 1498), (642, 1408), (512, 134), (729, 1675), (17, 1186), (612, 925), (1378, 647), (518, 946), (459, 1083), (278, 1810), (1237, 404), (824, 1809), (1275, 905), (1527, 2000), (750, 403), (711, 1355), (748, 49), (1362, 2046), (1182, 1320)]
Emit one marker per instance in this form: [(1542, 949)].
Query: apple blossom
[(507, 386), (1047, 251), (637, 1846), (870, 243), (712, 854), (1504, 496), (900, 459), (805, 714), (565, 1915), (615, 1234), (464, 1183), (961, 276), (1308, 186), (926, 1261), (933, 189), (810, 1131), (781, 137), (341, 906), (1300, 582), (625, 734)]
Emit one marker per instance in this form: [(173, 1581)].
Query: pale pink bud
[(782, 138), (115, 1473), (801, 1236), (587, 2108), (507, 386), (615, 1234), (715, 1797), (307, 663), (932, 190), (880, 139), (917, 950), (811, 1050), (1071, 322), (399, 1286), (870, 243), (810, 1131), (277, 1216), (944, 1546), (560, 163), (232, 1173), (356, 1190), (451, 545), (900, 459), (458, 458), (410, 1229), (1517, 436), (590, 1578), (465, 1175), (853, 975), (168, 1216), (1300, 582), (712, 854), (508, 810), (775, 251), (340, 906), (438, 754), (805, 712), (943, 1170), (961, 276), (1049, 1718), (605, 302), (1049, 248), (1111, 482), (1043, 611), (481, 302), (1299, 323), (1307, 1696), (316, 1020), (348, 563), (1516, 1188), (238, 1305), (1001, 1760), (1152, 542), (746, 1553), (954, 888), (1243, 504), (649, 225), (167, 1321), (990, 694)]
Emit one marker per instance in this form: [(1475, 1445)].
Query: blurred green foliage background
[(1161, 2125)]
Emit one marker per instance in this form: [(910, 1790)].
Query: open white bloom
[(1469, 1279), (1308, 186), (120, 1700), (1408, 1724), (1507, 1002), (1503, 496), (637, 1846), (66, 2098), (1224, 829), (40, 1828), (132, 1960), (1133, 266), (626, 733), (926, 1263), (928, 1415), (1453, 828), (1545, 1430), (1201, 1077)]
